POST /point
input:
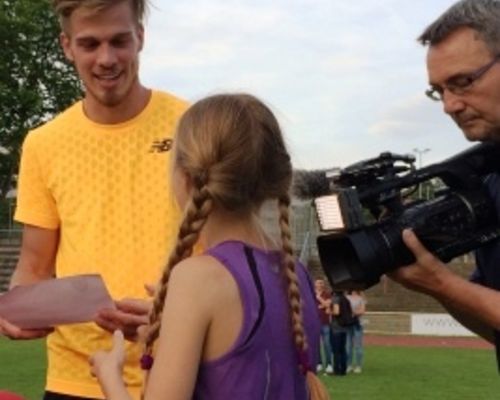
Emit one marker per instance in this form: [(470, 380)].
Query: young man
[(464, 74), (94, 194)]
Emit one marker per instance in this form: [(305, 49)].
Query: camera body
[(374, 200)]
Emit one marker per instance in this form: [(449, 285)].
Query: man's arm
[(36, 263), (473, 324), (323, 303), (360, 309), (473, 305), (37, 258)]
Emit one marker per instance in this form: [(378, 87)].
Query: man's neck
[(132, 106)]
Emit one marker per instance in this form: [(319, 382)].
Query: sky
[(346, 79)]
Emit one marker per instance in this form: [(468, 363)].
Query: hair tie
[(201, 179), (304, 364), (146, 362)]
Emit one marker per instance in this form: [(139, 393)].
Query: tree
[(36, 82)]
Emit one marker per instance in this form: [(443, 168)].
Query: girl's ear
[(188, 183), (182, 186)]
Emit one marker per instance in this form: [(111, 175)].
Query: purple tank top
[(263, 363)]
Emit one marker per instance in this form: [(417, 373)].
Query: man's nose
[(106, 56), (452, 103)]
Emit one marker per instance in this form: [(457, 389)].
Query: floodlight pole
[(419, 153)]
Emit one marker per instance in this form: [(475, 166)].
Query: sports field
[(405, 369)]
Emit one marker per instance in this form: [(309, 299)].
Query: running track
[(426, 341)]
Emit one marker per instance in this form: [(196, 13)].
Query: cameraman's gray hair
[(481, 15)]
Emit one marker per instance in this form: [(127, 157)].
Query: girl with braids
[(240, 321)]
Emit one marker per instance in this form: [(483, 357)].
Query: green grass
[(389, 373), (22, 367), (420, 373)]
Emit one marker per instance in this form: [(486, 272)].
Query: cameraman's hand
[(427, 274), (14, 332)]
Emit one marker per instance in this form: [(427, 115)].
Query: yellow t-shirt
[(107, 188)]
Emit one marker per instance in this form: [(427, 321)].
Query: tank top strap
[(239, 259)]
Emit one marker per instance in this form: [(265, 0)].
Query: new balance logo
[(161, 146)]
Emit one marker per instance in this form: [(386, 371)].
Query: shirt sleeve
[(35, 203)]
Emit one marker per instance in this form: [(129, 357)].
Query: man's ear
[(140, 36), (65, 42)]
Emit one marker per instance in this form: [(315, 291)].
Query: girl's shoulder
[(203, 271)]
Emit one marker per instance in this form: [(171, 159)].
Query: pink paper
[(55, 302)]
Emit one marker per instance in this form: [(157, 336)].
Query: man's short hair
[(481, 15), (64, 8)]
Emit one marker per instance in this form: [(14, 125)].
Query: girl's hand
[(107, 366)]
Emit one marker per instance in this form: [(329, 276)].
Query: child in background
[(239, 321), (324, 301)]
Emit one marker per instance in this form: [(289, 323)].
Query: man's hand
[(426, 274), (128, 317), (14, 332)]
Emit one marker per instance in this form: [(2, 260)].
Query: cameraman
[(464, 74)]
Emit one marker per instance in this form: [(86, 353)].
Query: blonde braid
[(196, 214), (317, 390), (291, 276)]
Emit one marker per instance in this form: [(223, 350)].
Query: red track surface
[(426, 341)]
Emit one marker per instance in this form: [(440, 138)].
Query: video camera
[(374, 200)]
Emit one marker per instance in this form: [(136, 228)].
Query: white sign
[(437, 325)]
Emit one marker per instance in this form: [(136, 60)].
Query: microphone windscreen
[(310, 184)]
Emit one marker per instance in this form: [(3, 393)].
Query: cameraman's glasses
[(460, 84)]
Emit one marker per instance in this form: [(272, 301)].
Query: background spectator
[(324, 299), (354, 346)]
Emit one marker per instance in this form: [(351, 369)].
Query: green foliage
[(6, 211), (35, 80)]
